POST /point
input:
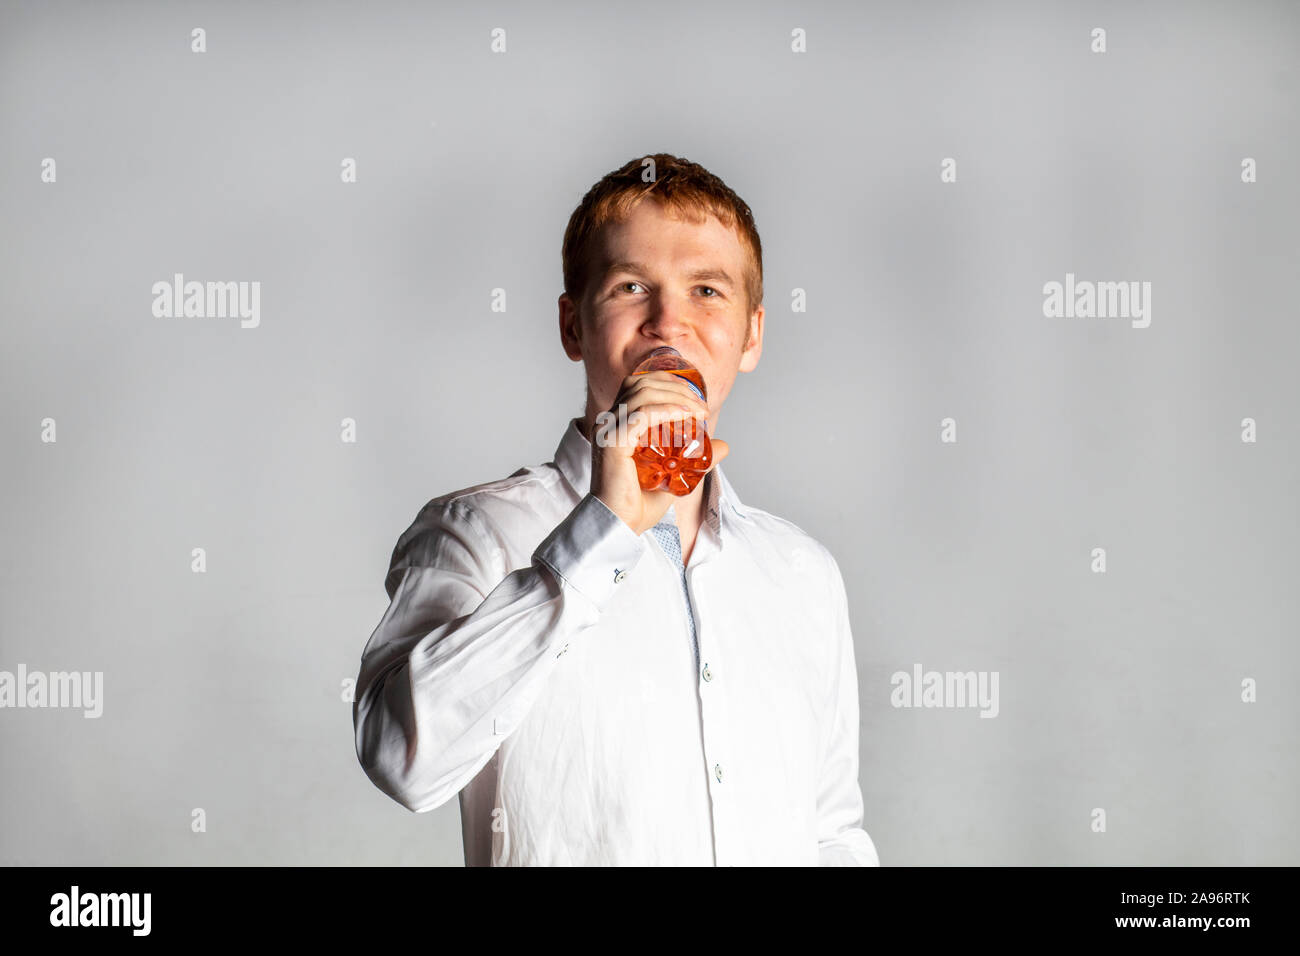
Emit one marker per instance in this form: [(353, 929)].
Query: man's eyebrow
[(712, 275)]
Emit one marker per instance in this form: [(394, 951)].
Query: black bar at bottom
[(340, 906)]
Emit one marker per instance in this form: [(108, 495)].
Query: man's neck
[(689, 508)]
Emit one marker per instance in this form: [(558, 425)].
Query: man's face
[(654, 281)]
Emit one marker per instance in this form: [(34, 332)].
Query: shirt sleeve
[(461, 652), (841, 840)]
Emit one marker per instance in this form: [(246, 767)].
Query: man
[(612, 676)]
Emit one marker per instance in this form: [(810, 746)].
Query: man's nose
[(666, 321)]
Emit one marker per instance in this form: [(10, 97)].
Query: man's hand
[(652, 398)]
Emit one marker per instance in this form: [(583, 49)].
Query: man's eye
[(624, 285), (711, 289)]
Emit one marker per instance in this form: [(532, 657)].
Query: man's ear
[(570, 327), (753, 349)]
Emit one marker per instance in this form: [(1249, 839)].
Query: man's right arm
[(461, 653)]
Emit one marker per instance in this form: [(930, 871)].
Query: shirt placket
[(710, 680), (713, 713), (670, 540)]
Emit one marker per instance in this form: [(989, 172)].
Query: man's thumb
[(720, 449)]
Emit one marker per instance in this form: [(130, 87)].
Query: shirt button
[(717, 771), (619, 575), (707, 675)]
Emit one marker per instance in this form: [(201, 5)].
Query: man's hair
[(687, 190)]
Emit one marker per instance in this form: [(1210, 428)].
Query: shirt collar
[(573, 458)]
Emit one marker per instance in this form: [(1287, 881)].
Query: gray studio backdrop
[(1160, 691)]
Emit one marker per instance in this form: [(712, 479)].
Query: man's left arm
[(841, 840)]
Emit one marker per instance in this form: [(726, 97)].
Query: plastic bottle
[(675, 455)]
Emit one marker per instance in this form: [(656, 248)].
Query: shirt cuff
[(592, 550)]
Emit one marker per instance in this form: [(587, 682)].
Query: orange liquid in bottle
[(675, 455)]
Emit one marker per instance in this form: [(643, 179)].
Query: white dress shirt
[(536, 658)]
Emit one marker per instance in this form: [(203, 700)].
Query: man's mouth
[(667, 352)]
